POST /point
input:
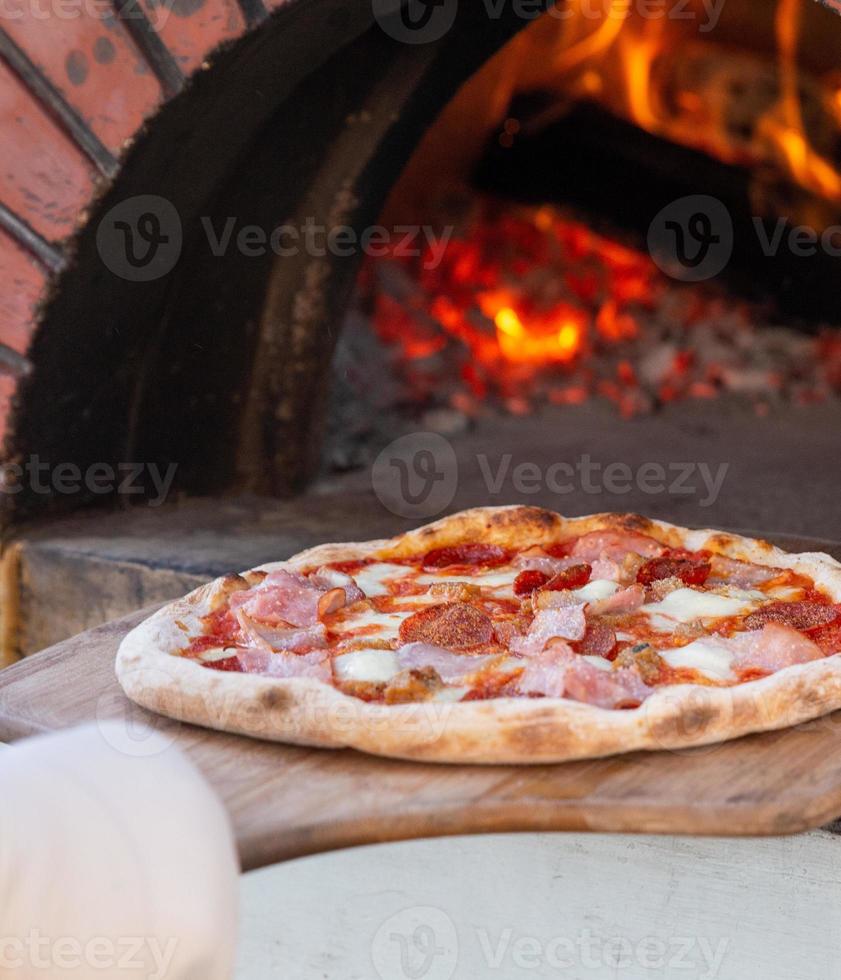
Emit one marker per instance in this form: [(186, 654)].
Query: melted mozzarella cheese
[(685, 605), (386, 624), (371, 578), (374, 666), (704, 655), (495, 581), (784, 593), (216, 653), (599, 588)]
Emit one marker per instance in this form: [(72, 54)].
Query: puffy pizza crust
[(305, 711)]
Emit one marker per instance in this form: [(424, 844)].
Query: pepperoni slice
[(801, 615), (691, 571), (465, 554), (452, 625), (598, 641), (570, 578), (828, 637), (529, 580)]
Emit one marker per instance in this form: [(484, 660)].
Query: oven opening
[(614, 209)]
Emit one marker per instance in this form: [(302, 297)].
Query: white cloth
[(113, 863)]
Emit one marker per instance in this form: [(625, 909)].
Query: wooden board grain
[(286, 801)]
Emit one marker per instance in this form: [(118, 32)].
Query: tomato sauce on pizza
[(604, 618)]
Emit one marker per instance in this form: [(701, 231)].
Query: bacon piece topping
[(465, 554), (691, 571), (801, 615), (454, 625)]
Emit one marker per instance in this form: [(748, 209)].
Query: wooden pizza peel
[(286, 801)]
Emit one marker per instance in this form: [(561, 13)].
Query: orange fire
[(545, 343), (755, 84), (525, 291), (531, 299)]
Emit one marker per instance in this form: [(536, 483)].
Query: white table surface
[(550, 905)]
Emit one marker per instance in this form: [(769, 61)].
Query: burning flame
[(531, 305), (526, 295), (773, 106), (524, 344)]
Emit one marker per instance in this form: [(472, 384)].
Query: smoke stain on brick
[(76, 65), (104, 51)]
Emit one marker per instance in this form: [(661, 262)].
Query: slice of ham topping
[(283, 597), (280, 636), (559, 672), (615, 545), (288, 599), (620, 603), (773, 647), (564, 622), (316, 664), (450, 667), (332, 578), (743, 574), (536, 559), (545, 674), (453, 625), (615, 688)]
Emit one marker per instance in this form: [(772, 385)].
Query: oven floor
[(715, 464)]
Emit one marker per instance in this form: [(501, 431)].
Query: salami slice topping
[(598, 641), (465, 554), (803, 615), (526, 582), (452, 625), (691, 571), (570, 578)]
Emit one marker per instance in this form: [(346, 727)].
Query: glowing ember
[(529, 305)]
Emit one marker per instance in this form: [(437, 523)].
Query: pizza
[(503, 635)]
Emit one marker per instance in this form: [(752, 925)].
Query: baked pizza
[(507, 634)]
